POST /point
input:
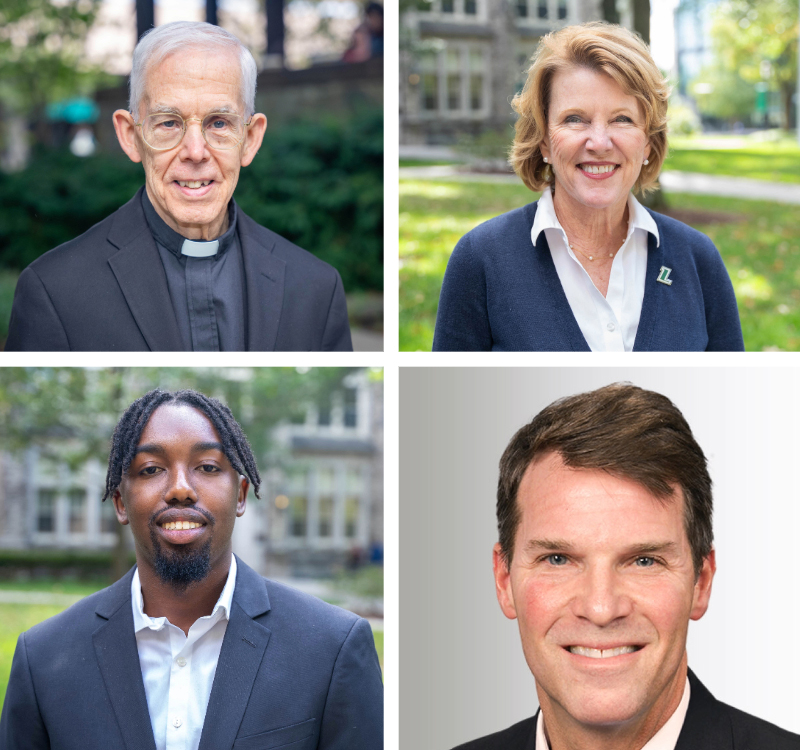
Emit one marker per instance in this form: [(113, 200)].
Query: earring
[(646, 162), (546, 160)]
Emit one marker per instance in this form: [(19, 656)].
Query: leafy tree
[(756, 41), (42, 54)]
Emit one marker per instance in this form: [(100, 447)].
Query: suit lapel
[(118, 660), (239, 661), (264, 278), (141, 277), (706, 726)]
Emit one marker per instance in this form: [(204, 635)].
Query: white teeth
[(596, 653), (193, 183), (180, 525), (598, 170)]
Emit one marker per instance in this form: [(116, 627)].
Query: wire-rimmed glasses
[(165, 130)]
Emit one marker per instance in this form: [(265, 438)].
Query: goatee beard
[(183, 566)]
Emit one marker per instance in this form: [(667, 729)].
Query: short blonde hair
[(603, 48)]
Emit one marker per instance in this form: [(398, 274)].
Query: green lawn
[(762, 253), (774, 162)]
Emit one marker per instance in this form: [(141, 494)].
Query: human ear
[(252, 141), (126, 134), (241, 501), (119, 507), (702, 586), (502, 582)]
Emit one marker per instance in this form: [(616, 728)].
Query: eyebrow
[(197, 447), (561, 545), (164, 109)]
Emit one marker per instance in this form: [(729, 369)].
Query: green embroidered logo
[(663, 275)]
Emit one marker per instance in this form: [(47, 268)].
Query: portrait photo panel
[(464, 674)]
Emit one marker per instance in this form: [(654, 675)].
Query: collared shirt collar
[(172, 240), (664, 739), (546, 217), (222, 609)]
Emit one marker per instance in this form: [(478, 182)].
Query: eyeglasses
[(165, 130)]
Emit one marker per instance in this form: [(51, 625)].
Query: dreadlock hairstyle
[(129, 430)]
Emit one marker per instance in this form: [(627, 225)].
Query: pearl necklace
[(590, 257)]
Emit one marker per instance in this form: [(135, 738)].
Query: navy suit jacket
[(502, 293), (709, 725), (293, 673), (107, 291)]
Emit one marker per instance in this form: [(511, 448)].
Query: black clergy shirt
[(208, 294)]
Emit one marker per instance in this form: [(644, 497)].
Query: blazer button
[(176, 722)]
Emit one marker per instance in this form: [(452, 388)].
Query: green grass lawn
[(774, 162), (761, 252)]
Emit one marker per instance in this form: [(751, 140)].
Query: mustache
[(188, 514)]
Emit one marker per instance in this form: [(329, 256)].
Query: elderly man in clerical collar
[(180, 266)]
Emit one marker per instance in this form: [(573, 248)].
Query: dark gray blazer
[(709, 725), (107, 291), (293, 673)]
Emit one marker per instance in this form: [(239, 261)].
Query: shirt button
[(180, 661), (176, 722), (610, 326)]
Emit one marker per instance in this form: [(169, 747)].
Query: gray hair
[(157, 43)]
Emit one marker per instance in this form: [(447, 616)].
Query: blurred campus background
[(318, 179), (733, 171), (317, 435)]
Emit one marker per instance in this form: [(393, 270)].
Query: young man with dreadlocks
[(191, 650)]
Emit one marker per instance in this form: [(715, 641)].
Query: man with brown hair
[(604, 555)]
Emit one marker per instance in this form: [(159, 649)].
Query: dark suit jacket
[(293, 673), (107, 291), (709, 725)]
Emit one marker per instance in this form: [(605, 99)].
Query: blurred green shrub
[(319, 184)]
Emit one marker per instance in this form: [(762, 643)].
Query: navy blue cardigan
[(500, 293)]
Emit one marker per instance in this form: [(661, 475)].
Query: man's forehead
[(549, 485)]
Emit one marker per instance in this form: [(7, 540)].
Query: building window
[(108, 518), (350, 407), (542, 10), (77, 510), (429, 88), (46, 511), (355, 490), (448, 6), (324, 412), (298, 506), (453, 81), (471, 7), (453, 61), (326, 481), (453, 9)]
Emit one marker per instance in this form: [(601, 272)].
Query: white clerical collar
[(664, 739), (195, 249), (546, 217), (221, 609)]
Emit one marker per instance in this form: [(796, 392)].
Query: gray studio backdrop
[(463, 673)]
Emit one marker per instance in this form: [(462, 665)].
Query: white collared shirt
[(178, 669), (664, 739), (609, 323)]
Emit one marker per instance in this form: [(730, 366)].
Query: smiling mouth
[(194, 183), (179, 525), (596, 653), (598, 168)]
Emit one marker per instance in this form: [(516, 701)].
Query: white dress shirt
[(664, 739), (609, 323), (178, 669)]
